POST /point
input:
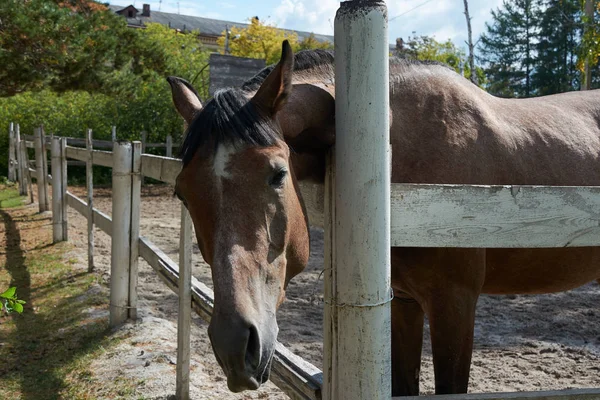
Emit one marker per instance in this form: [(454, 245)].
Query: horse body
[(443, 130)]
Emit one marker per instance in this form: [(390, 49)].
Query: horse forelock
[(228, 118)]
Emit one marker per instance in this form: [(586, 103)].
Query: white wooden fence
[(421, 216), (296, 377)]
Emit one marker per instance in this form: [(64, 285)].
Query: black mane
[(227, 118), (230, 118)]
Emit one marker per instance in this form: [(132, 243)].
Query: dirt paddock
[(538, 342)]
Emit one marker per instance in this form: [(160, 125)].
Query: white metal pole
[(12, 157), (39, 167), (89, 179), (136, 196), (169, 144), (113, 133), (63, 175), (361, 265), (121, 232), (184, 319), (57, 228)]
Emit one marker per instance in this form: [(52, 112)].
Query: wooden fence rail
[(422, 215)]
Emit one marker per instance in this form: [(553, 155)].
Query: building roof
[(206, 26)]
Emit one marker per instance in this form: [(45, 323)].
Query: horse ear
[(277, 87), (186, 99)]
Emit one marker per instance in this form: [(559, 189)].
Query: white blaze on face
[(221, 161)]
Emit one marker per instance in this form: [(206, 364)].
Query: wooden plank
[(64, 185), (45, 167), (27, 170), (136, 197), (184, 317), (169, 146), (495, 216), (89, 180), (12, 154), (160, 168), (297, 378), (57, 207), (569, 394), (77, 204), (99, 157), (39, 166), (101, 220)]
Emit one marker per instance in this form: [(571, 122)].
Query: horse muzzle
[(243, 350)]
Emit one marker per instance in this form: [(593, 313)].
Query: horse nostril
[(253, 349)]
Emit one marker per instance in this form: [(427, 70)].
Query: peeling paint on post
[(361, 331)]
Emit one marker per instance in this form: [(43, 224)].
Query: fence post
[(121, 231), (169, 144), (361, 268), (184, 319), (144, 136), (63, 186), (89, 180), (136, 194), (45, 165), (39, 167), (26, 170), (113, 133), (57, 209), (329, 309), (21, 167), (12, 155)]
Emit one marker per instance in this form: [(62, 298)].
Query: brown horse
[(247, 148)]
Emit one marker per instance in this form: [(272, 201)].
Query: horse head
[(240, 187)]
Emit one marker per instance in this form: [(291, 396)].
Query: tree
[(470, 43), (64, 44), (426, 48), (590, 43), (557, 48), (310, 43), (259, 40), (508, 48), (263, 41)]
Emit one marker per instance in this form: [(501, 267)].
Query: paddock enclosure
[(356, 345)]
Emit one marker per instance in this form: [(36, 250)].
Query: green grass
[(46, 352), (9, 197)]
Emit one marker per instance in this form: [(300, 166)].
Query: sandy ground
[(538, 342)]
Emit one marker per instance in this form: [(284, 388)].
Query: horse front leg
[(407, 340), (452, 321)]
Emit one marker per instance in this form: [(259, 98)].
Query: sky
[(443, 19)]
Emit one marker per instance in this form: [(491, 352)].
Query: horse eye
[(278, 178)]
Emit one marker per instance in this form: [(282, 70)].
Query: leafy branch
[(10, 302)]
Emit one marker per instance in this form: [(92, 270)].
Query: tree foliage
[(261, 40), (508, 47), (134, 98), (427, 48), (557, 48), (538, 47), (590, 40), (65, 45)]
